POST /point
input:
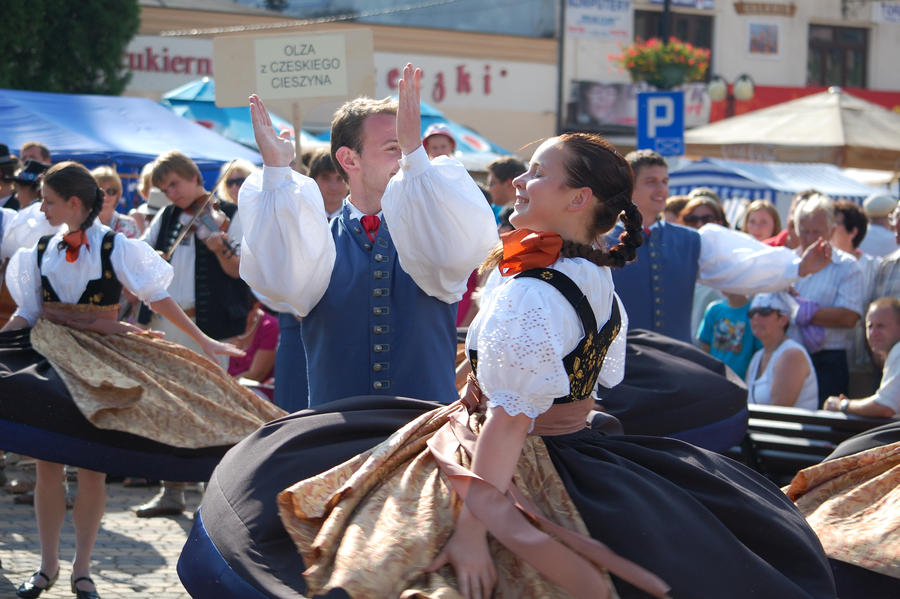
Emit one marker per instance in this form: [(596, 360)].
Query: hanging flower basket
[(663, 65)]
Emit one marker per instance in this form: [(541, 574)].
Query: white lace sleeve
[(140, 269), (23, 279), (440, 223), (521, 346), (287, 253)]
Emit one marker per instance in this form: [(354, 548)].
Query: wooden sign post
[(294, 73)]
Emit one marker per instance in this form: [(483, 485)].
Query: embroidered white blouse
[(525, 328), (24, 229), (439, 220), (135, 263)]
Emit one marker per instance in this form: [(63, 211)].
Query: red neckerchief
[(524, 249), (74, 241), (370, 223)]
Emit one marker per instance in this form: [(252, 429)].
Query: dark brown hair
[(72, 179), (853, 217), (347, 125), (593, 162)]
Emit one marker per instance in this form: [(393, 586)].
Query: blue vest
[(375, 332), (657, 288)]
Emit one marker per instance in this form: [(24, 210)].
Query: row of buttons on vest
[(657, 289)]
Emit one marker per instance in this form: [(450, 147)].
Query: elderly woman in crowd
[(761, 220), (111, 186), (781, 373), (231, 177)]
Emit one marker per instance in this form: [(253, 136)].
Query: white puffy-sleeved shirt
[(136, 265), (526, 327), (440, 224), (24, 229)]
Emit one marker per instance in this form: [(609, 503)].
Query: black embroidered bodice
[(104, 291), (583, 363)]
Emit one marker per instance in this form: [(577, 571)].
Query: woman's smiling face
[(541, 191)]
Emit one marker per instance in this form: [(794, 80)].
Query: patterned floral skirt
[(852, 502), (126, 404), (704, 524)]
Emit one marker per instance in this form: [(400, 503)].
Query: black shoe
[(79, 594), (27, 590)]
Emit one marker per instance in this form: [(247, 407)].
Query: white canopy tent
[(832, 127)]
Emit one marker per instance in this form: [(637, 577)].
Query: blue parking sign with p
[(660, 122)]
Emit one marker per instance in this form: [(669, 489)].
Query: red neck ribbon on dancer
[(524, 249), (74, 241), (370, 223)]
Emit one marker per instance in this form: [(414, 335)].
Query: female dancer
[(92, 263), (430, 511)]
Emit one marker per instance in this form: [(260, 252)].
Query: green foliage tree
[(67, 46)]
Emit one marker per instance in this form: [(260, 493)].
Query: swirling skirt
[(138, 423), (704, 524)]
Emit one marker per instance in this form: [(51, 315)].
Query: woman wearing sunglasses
[(111, 186), (231, 177), (781, 373)]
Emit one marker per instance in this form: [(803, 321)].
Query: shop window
[(837, 56)]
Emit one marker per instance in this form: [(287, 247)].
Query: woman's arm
[(262, 364), (497, 452), (174, 314), (788, 374)]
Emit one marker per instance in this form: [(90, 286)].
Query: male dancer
[(377, 287)]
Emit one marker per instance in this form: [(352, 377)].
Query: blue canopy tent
[(124, 132), (739, 183), (197, 101), (473, 150)]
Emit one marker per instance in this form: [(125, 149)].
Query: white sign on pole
[(610, 20), (301, 68), (886, 12)]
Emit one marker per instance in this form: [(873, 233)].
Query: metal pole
[(560, 65), (664, 21)]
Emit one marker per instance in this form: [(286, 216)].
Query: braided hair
[(72, 179), (593, 162)]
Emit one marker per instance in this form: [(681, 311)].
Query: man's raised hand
[(276, 150), (409, 117)]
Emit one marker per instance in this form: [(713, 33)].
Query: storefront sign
[(609, 20), (163, 63), (886, 12), (777, 9), (701, 4), (456, 82)]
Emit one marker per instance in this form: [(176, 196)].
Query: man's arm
[(861, 407), (833, 316), (440, 222)]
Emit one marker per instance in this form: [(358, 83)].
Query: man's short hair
[(347, 125), (174, 161), (817, 202), (44, 150), (506, 168), (854, 217), (638, 159), (887, 302), (321, 163)]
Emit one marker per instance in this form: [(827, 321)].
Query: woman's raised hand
[(276, 150), (409, 113)]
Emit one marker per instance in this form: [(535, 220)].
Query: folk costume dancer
[(67, 289), (377, 287), (543, 339), (205, 284)]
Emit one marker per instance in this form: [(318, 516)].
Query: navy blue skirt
[(707, 525), (38, 418)]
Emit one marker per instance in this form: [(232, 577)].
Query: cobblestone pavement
[(133, 557)]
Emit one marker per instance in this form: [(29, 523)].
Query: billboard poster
[(607, 20)]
